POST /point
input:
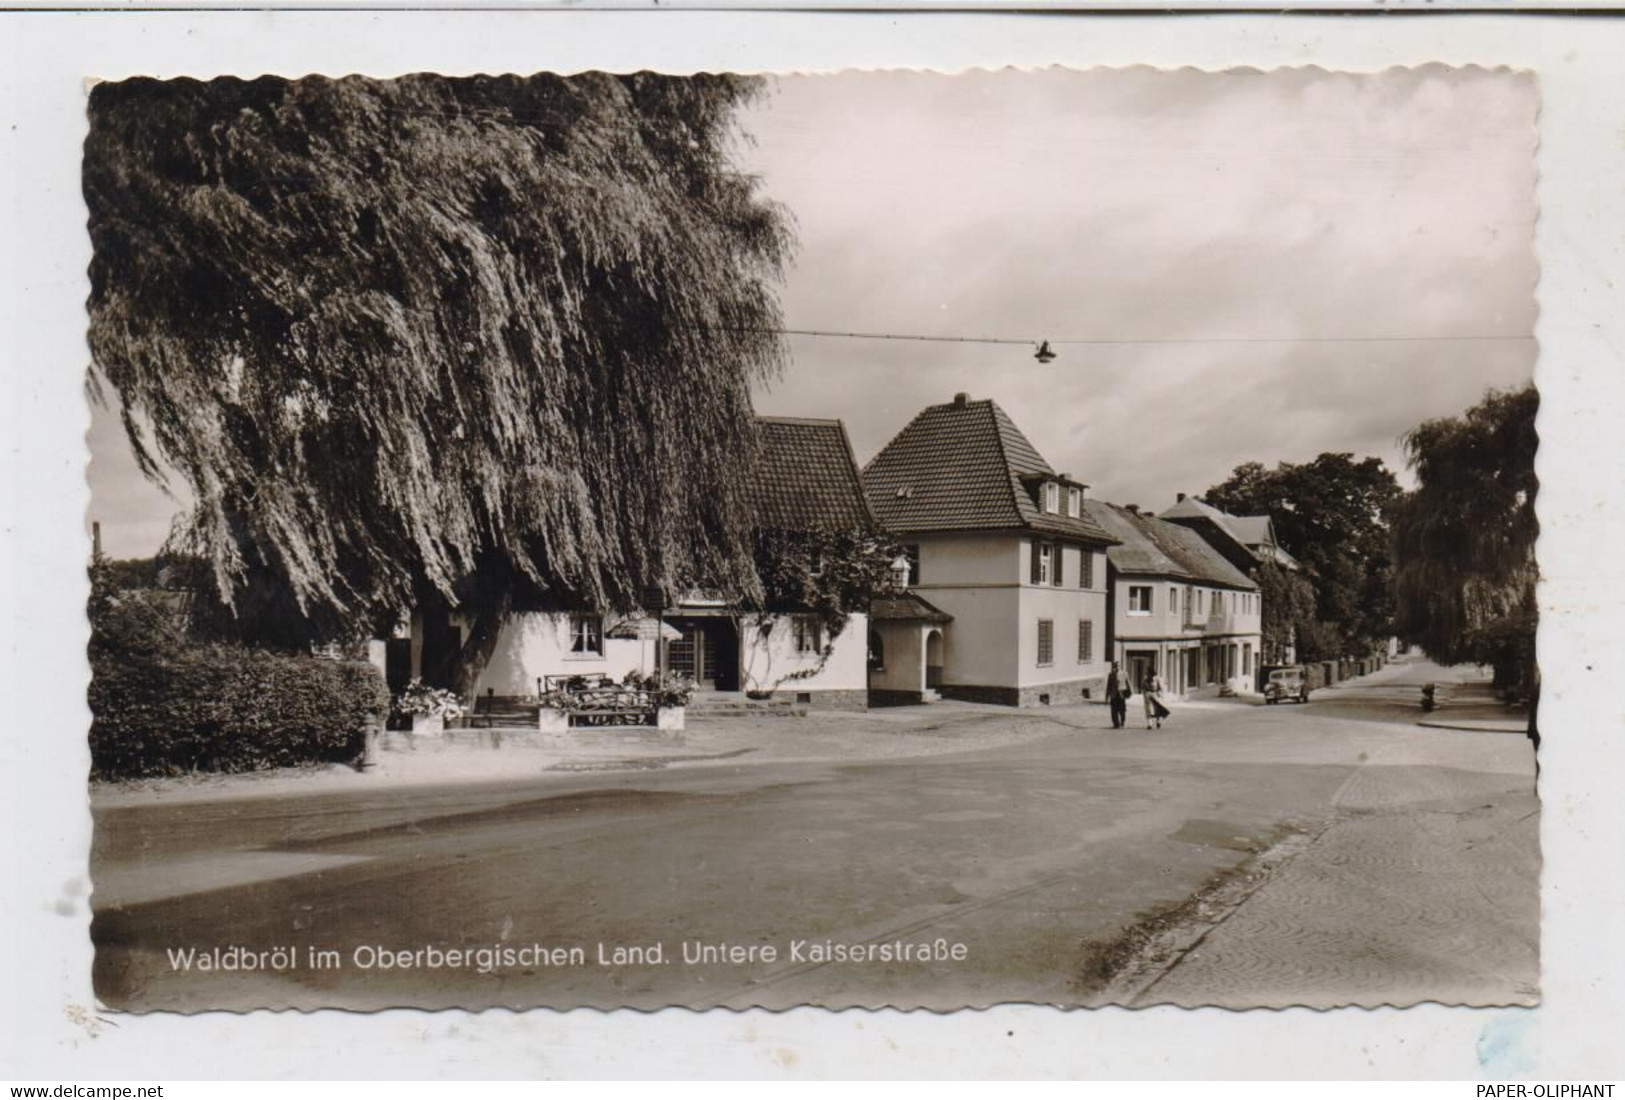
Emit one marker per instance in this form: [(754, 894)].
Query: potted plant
[(553, 711), (671, 698), (428, 707)]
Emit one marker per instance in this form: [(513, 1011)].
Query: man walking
[(1117, 693)]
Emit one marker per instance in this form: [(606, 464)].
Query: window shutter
[(1058, 560), (1035, 570), (1086, 574)]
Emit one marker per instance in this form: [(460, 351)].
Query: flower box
[(669, 718), (552, 720), (429, 724)]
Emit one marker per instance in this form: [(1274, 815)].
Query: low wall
[(1037, 695), (824, 698)]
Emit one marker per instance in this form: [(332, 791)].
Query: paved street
[(1244, 855)]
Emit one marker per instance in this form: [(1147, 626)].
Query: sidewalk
[(835, 736)]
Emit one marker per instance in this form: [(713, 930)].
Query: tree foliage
[(476, 341), (826, 573), (1288, 619), (1464, 538), (1331, 514), (822, 572)]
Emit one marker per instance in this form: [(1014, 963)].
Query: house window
[(1139, 599), (1074, 502), (809, 634), (815, 563), (1201, 598), (1086, 577), (912, 553), (1046, 642), (1043, 554), (1086, 641), (1052, 497), (1173, 600), (587, 635), (1059, 560)]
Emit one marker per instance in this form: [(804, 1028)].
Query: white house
[(1178, 607), (1006, 588), (806, 478)]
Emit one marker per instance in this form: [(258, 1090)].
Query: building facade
[(1247, 543), (1006, 570), (1178, 607)]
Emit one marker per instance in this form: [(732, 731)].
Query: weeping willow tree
[(429, 342), (1464, 539)]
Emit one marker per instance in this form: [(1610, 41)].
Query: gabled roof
[(1252, 530), (965, 466), (1153, 547), (1256, 533), (806, 476)]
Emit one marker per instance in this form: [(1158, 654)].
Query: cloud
[(1146, 205), (1130, 204)]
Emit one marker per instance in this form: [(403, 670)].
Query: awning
[(644, 630)]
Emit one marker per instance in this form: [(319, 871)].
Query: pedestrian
[(1154, 710), (1117, 692)]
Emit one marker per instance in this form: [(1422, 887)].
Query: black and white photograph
[(884, 538)]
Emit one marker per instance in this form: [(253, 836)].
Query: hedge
[(174, 706)]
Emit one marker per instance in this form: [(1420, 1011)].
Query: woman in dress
[(1154, 710)]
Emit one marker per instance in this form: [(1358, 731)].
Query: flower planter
[(431, 724), (669, 718), (552, 720)]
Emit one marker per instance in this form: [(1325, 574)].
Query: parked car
[(1287, 684)]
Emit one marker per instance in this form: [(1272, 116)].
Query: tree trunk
[(480, 644)]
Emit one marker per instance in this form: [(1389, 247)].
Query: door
[(1141, 664), (707, 653), (685, 656)]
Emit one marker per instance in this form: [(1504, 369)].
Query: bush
[(162, 704)]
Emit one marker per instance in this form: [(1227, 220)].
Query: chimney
[(960, 400), (1181, 498)]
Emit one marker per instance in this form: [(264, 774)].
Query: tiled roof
[(959, 467), (908, 608), (806, 476), (1191, 508), (1255, 533), (1154, 547), (1252, 530)]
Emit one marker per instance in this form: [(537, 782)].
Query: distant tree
[(1464, 538), (452, 344), (1331, 514)]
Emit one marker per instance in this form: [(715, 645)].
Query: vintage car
[(1286, 684)]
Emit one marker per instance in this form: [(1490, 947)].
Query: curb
[(1472, 726)]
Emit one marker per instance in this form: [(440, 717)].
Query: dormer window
[(1052, 497), (1074, 503)]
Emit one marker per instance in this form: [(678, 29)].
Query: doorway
[(933, 659), (1141, 664), (707, 652)]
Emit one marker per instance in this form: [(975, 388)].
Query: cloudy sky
[(1234, 240)]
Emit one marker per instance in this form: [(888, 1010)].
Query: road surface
[(1244, 855)]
